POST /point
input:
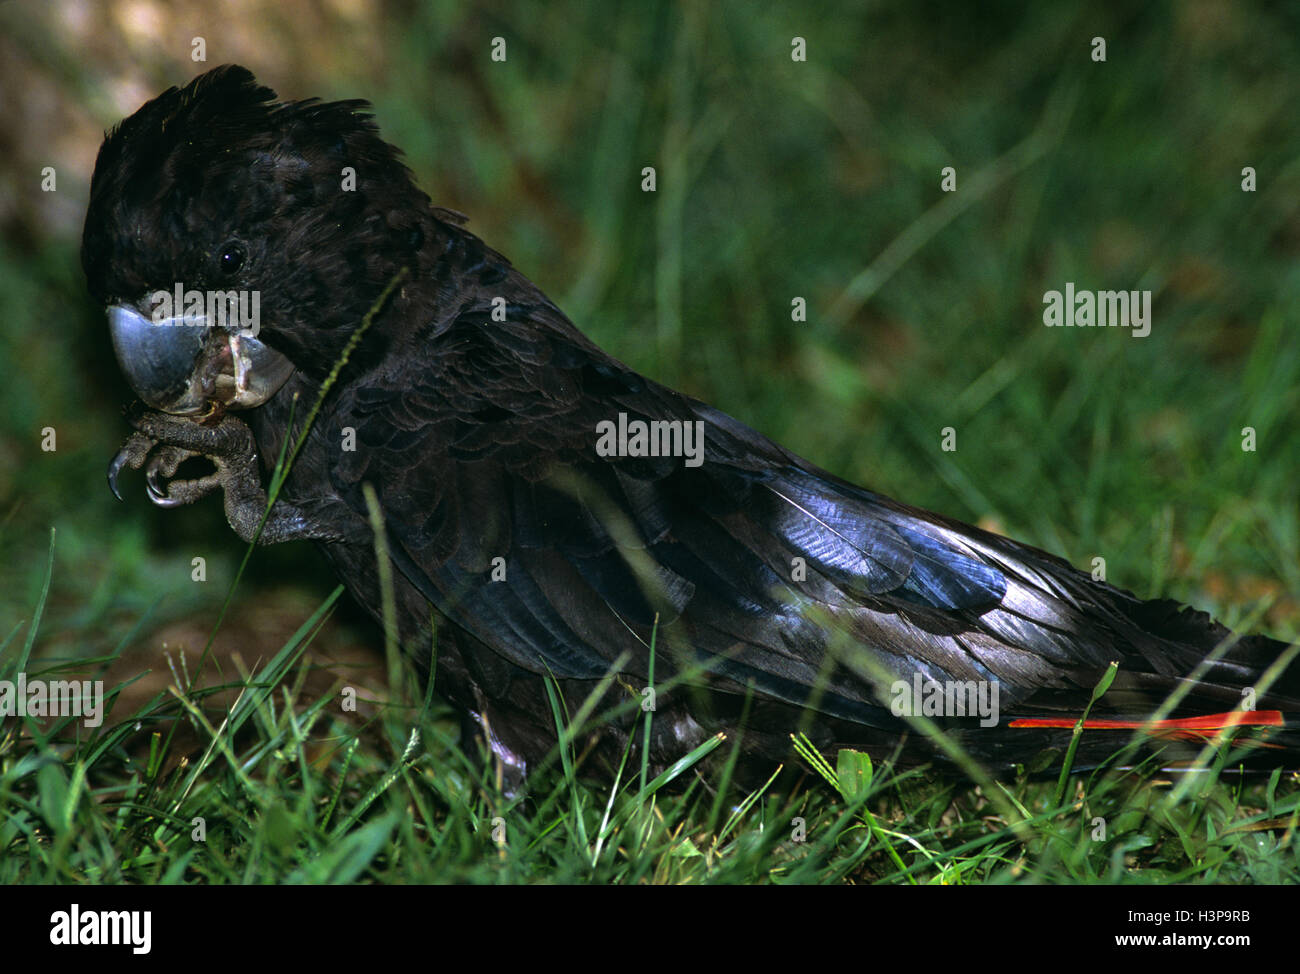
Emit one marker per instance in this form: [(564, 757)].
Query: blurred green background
[(776, 179)]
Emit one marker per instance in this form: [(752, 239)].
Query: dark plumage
[(768, 576)]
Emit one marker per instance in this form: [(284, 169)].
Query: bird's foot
[(162, 442)]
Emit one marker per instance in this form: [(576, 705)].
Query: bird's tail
[(1215, 686)]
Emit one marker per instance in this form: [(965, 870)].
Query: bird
[(551, 522)]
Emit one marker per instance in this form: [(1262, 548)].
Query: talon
[(158, 492), (115, 468), (133, 453)]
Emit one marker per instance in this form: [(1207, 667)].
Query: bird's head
[(234, 238)]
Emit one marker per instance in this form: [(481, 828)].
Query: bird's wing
[(759, 567)]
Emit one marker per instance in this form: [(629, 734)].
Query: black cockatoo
[(553, 513)]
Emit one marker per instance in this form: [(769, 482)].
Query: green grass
[(776, 180), (288, 788)]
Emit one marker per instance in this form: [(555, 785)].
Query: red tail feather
[(1184, 727)]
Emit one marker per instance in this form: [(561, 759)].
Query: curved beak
[(182, 364)]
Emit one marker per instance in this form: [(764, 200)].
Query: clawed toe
[(165, 492), (160, 459)]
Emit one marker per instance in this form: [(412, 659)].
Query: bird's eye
[(232, 258)]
